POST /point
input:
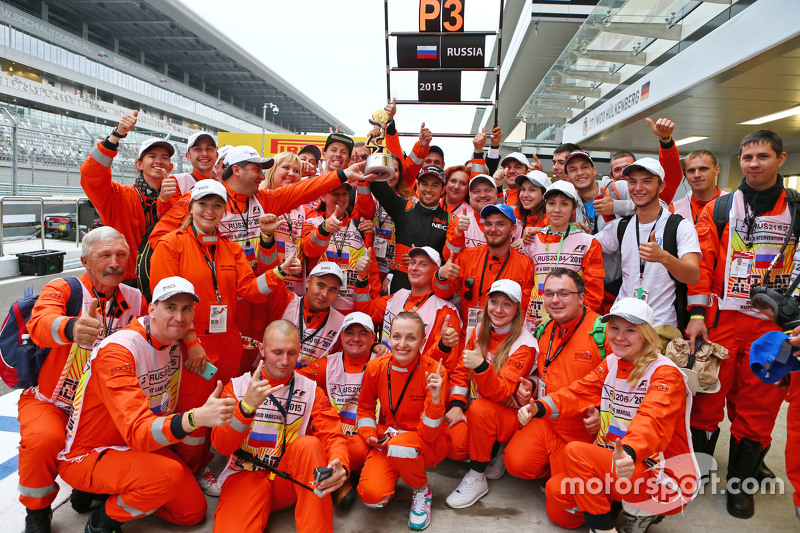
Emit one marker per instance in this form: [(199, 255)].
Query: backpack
[(671, 246), (20, 358), (598, 334), (722, 210)]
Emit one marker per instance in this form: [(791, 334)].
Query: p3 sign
[(441, 15)]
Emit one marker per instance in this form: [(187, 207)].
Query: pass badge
[(381, 246), (218, 319)]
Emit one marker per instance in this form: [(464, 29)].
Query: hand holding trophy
[(379, 162)]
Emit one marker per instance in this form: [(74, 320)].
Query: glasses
[(561, 294), (469, 283)]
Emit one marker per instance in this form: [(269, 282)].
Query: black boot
[(38, 521), (743, 462), (765, 473), (81, 501), (100, 522), (704, 446)]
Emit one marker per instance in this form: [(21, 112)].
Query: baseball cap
[(537, 177), (503, 209), (169, 287), (242, 154), (200, 135), (436, 150), (481, 177), (149, 144), (563, 187), (324, 268), (430, 252), (432, 170), (357, 317), (578, 153), (313, 149), (222, 151), (633, 310), (507, 287), (771, 357), (339, 138), (647, 164), (515, 156), (205, 188)]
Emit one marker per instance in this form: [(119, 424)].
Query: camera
[(782, 308), (275, 110)]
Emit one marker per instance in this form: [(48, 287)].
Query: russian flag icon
[(426, 52)]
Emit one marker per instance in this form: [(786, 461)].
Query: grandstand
[(68, 75)]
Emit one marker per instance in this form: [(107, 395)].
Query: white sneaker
[(496, 467), (208, 482), (420, 516), (471, 489)]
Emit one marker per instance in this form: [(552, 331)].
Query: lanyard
[(418, 304), (243, 215), (560, 244), (548, 359), (538, 219), (302, 322), (642, 261), (483, 273), (285, 413), (340, 245), (212, 263), (382, 219), (362, 370), (394, 409), (111, 311)]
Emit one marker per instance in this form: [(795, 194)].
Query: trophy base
[(380, 164)]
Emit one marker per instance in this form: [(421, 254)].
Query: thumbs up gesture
[(425, 137), (662, 128), (217, 411), (479, 141), (449, 270), (621, 461), (472, 358), (529, 233), (127, 122), (269, 223), (524, 390), (364, 262), (651, 252), (604, 206), (291, 264), (334, 222), (449, 335), (463, 221), (169, 187), (87, 327), (435, 384)]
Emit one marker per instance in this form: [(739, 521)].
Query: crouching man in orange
[(642, 455), (283, 421), (339, 375), (124, 418), (499, 353), (407, 435)]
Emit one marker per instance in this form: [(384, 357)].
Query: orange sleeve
[(364, 302), (328, 428), (48, 320), (114, 368), (593, 274), (478, 166), (662, 409), (283, 200), (163, 206), (228, 438), (498, 387), (413, 164), (96, 181), (315, 240), (670, 160), (436, 336), (711, 245), (165, 261), (317, 371), (445, 289), (431, 424), (460, 377), (252, 289), (365, 206), (527, 287), (170, 221), (368, 400), (455, 239), (267, 255), (374, 275), (573, 400)]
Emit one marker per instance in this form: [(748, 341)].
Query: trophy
[(379, 162)]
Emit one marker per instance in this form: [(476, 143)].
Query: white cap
[(208, 187), (223, 151), (516, 156), (537, 177), (648, 164), (328, 267), (149, 144), (633, 310), (169, 287), (357, 317), (430, 252), (507, 287), (242, 154), (200, 135), (564, 187), (481, 177)]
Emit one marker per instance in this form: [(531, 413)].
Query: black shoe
[(765, 473), (704, 446), (99, 522), (629, 523), (81, 501), (345, 495), (38, 521), (744, 460)]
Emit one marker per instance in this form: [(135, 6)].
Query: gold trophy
[(379, 162)]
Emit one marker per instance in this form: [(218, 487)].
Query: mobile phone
[(208, 373)]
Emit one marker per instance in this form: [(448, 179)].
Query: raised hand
[(169, 187), (196, 358), (391, 108), (622, 462), (529, 233), (449, 335), (499, 177), (472, 358), (604, 206), (497, 135), (449, 270), (269, 223), (435, 383), (127, 122), (87, 327), (525, 414), (454, 416), (364, 262), (479, 141), (425, 137), (536, 164), (330, 129), (334, 222), (259, 389), (366, 226), (291, 264), (216, 411), (524, 390), (464, 221), (592, 420), (651, 252), (661, 128)]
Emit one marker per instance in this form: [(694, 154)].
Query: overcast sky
[(334, 52)]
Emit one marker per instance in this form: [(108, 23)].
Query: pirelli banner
[(275, 143)]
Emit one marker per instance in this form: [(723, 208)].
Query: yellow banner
[(275, 143)]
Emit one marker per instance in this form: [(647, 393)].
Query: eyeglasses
[(561, 294), (469, 283)]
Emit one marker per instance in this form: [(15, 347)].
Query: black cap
[(340, 138), (312, 149), (437, 150), (432, 170)]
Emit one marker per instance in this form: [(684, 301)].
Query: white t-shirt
[(656, 280)]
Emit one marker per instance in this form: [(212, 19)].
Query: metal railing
[(42, 201)]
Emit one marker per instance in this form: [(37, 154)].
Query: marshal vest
[(315, 344)]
